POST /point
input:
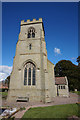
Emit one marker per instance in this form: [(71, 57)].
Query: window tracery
[(29, 74), (31, 32)]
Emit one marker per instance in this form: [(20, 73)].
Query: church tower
[(33, 74)]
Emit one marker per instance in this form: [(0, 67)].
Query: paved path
[(56, 101), (20, 113), (74, 98)]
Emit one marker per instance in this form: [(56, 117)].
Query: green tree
[(7, 81), (78, 60)]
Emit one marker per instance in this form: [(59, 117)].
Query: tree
[(7, 81), (67, 68), (78, 60)]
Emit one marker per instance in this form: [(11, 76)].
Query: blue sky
[(60, 24)]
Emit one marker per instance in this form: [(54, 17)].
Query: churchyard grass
[(77, 92), (57, 111), (4, 95)]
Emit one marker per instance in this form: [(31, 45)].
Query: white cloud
[(4, 72), (73, 58), (57, 50)]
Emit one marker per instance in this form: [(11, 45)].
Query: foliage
[(57, 111), (78, 60), (7, 81), (77, 92), (67, 68), (12, 118), (4, 95), (22, 108)]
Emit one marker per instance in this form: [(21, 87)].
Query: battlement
[(29, 22)]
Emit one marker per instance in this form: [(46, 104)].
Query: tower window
[(30, 46), (31, 32), (29, 35)]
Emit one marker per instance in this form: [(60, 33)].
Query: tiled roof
[(3, 87), (60, 81)]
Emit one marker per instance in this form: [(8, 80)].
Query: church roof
[(50, 62), (60, 81), (3, 87)]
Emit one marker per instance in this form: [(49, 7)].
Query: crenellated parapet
[(29, 22)]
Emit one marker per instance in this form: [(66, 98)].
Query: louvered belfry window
[(31, 32)]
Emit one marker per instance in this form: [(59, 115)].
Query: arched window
[(29, 74), (31, 32)]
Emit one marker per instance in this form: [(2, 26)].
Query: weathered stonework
[(45, 88)]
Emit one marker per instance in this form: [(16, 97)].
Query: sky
[(60, 21)]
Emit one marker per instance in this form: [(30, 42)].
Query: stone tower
[(33, 74)]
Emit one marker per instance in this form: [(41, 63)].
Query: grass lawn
[(57, 111), (77, 92), (4, 95)]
